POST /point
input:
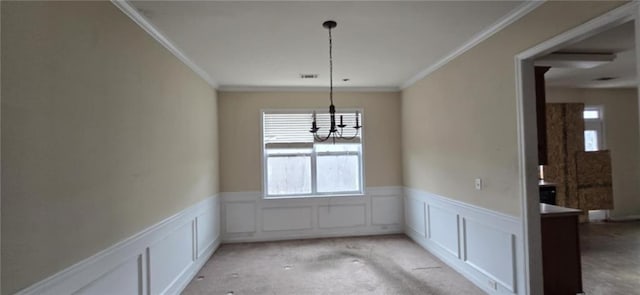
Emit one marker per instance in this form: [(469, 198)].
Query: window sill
[(302, 197)]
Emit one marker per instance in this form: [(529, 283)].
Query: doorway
[(527, 129)]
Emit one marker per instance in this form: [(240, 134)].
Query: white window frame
[(597, 125), (314, 191)]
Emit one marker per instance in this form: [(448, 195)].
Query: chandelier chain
[(336, 131), (330, 67)]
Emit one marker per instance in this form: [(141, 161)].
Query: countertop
[(547, 210), (545, 183)]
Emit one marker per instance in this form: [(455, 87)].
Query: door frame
[(527, 129)]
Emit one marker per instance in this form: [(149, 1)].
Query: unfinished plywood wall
[(594, 180), (565, 138)]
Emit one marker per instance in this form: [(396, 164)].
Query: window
[(591, 140), (593, 129), (591, 114), (296, 165)]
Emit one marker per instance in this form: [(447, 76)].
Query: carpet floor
[(391, 264), (610, 258)]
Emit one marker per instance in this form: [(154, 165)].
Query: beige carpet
[(391, 264)]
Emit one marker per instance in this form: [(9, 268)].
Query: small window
[(297, 166), (591, 114), (591, 140), (593, 129)]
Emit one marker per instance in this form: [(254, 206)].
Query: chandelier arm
[(352, 137), (320, 139)]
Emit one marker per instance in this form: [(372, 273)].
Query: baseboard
[(161, 259), (484, 246), (183, 280), (624, 218), (247, 217)]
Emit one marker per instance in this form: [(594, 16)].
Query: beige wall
[(240, 142), (459, 123), (622, 138), (104, 133)]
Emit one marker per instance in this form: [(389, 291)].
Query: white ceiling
[(269, 44), (619, 40)]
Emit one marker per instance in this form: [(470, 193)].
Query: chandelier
[(335, 130)]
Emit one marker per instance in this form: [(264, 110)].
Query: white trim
[(139, 19), (495, 215), (527, 138), (637, 30), (0, 167), (185, 278), (502, 23), (136, 247), (624, 218), (593, 27), (231, 88), (487, 245), (527, 157), (247, 217)]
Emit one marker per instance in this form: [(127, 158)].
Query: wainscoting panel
[(335, 216), (161, 259), (123, 279), (241, 217), (170, 257), (416, 216), (386, 210), (207, 230), (443, 229), (295, 218), (484, 246)]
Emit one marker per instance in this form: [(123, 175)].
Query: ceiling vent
[(308, 76), (604, 79)]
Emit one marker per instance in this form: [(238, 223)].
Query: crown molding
[(139, 19), (502, 23), (304, 89)]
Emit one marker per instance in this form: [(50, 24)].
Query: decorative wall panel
[(378, 211), (484, 246)]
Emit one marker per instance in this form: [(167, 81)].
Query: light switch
[(478, 184)]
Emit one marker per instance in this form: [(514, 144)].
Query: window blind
[(292, 129)]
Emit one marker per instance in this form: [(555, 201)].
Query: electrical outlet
[(493, 284), (478, 184)]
